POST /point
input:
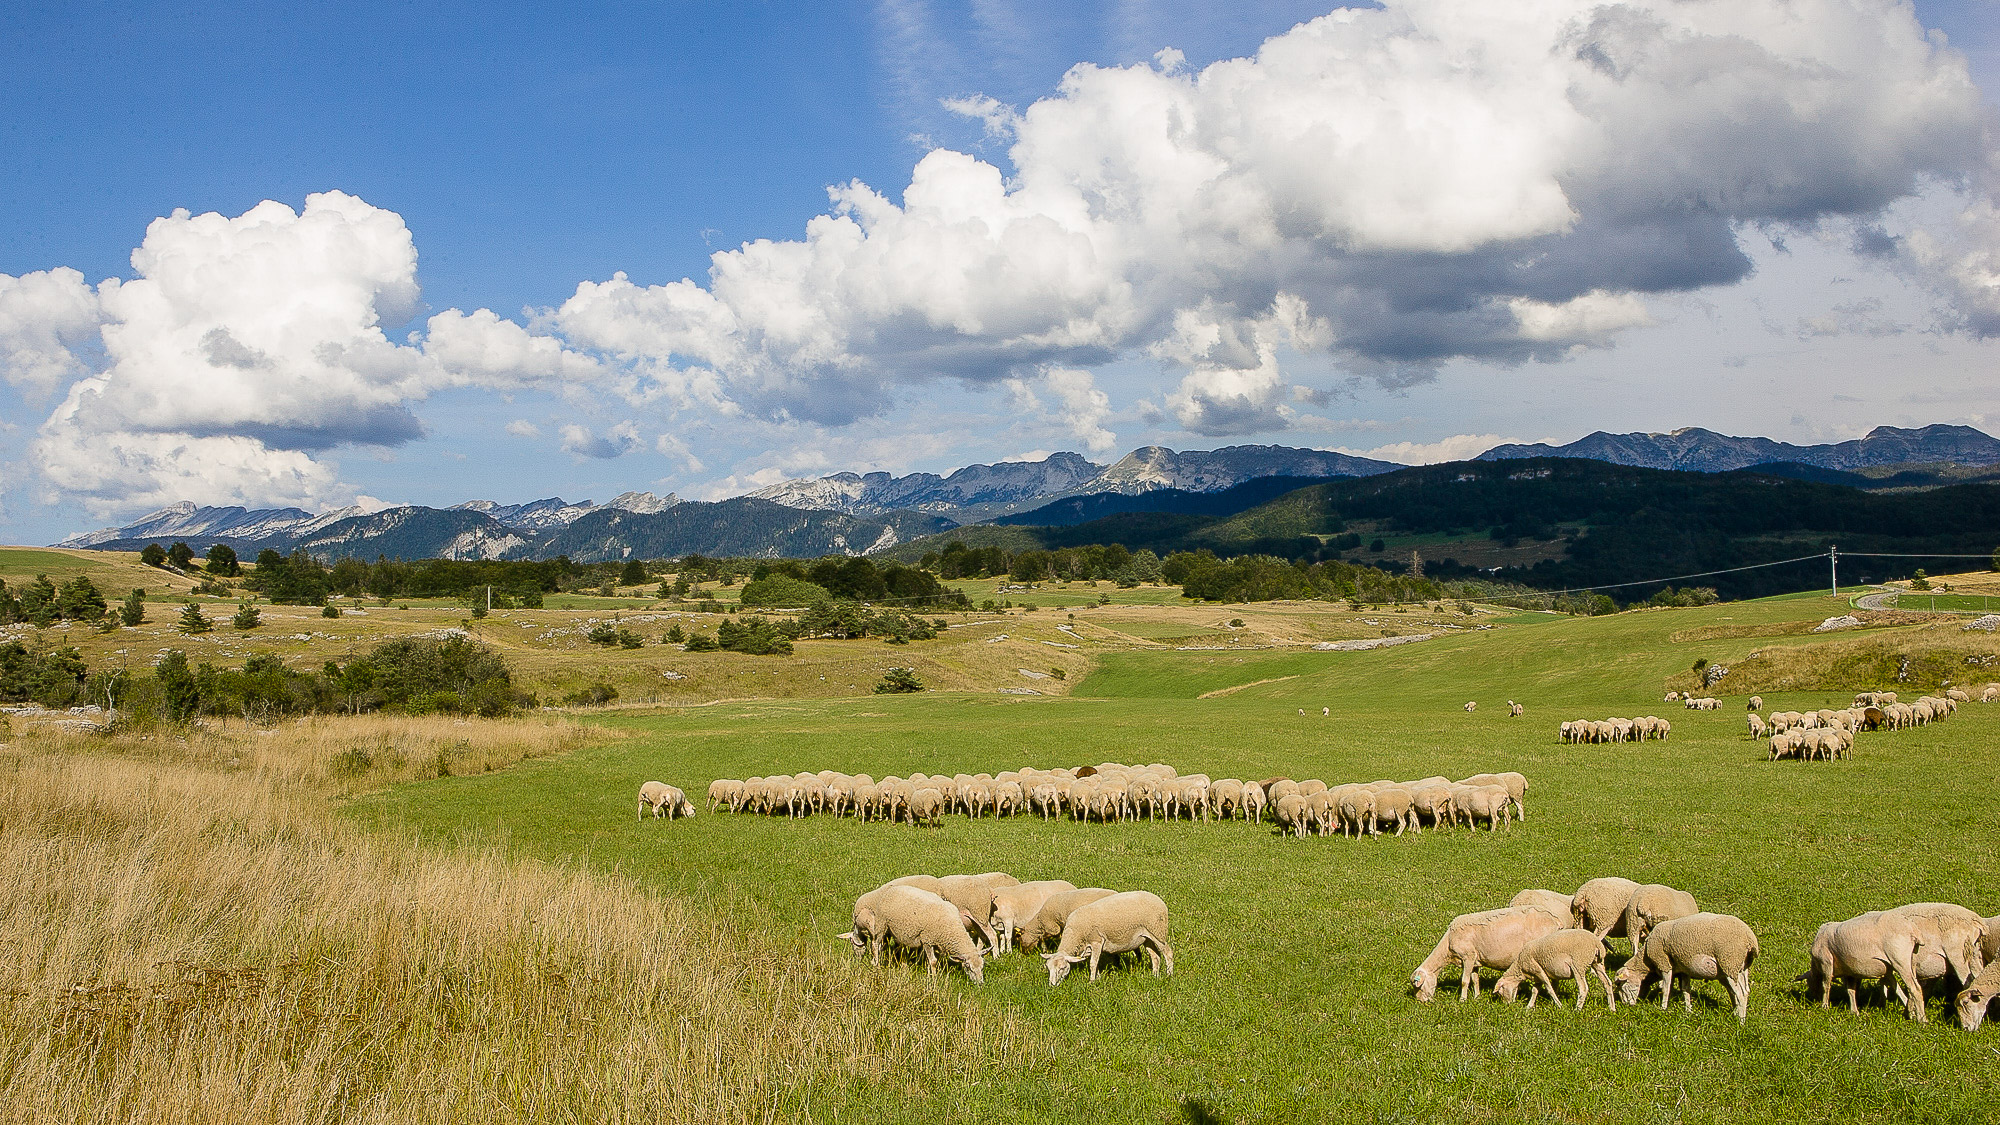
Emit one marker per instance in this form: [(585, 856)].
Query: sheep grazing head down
[(1059, 964), (1424, 983), (1630, 979)]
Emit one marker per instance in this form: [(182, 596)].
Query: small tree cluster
[(42, 603)]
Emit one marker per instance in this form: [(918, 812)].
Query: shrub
[(898, 681), (153, 555), (593, 695), (248, 616), (700, 642), (783, 590), (133, 612)]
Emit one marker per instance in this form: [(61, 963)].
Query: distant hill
[(1705, 451), (1590, 523)]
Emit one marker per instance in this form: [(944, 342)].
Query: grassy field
[(1290, 1001)]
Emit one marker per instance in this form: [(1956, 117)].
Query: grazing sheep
[(1990, 694), (1564, 954), (724, 791), (1698, 947), (1989, 946), (1482, 802), (1253, 804), (1471, 706), (1433, 800), (1489, 938), (1290, 812), (1942, 930), (1555, 902), (1355, 806), (1958, 695), (1117, 924), (1227, 797), (1048, 921), (1280, 789), (1599, 905), (1758, 727), (1393, 806), (1672, 697), (1515, 710), (920, 921), (1515, 784), (665, 800), (1871, 946), (1978, 996), (1013, 906), (1756, 703), (1652, 904), (927, 807), (974, 893), (868, 933), (1312, 785)]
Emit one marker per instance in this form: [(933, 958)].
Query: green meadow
[(1290, 1000)]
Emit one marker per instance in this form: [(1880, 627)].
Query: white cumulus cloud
[(42, 316), (1391, 188)]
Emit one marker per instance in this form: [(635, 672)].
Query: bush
[(594, 695), (783, 590), (248, 617), (153, 555), (329, 611), (133, 612), (700, 642), (898, 681), (628, 639)]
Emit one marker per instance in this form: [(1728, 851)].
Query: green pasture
[(1945, 603), (1290, 1002)]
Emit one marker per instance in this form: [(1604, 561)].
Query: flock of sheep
[(970, 918), (1112, 793), (1544, 936), (1825, 734)]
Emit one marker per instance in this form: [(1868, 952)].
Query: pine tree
[(178, 684), (192, 620), (133, 612), (247, 616)]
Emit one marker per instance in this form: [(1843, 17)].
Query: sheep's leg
[(1912, 988), (1739, 991), (1666, 987), (642, 808), (1467, 977), (1096, 952), (1603, 978)]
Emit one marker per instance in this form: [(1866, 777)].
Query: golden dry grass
[(191, 935)]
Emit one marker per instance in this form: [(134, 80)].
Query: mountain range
[(854, 513)]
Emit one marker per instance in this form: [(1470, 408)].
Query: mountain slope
[(1228, 502), (741, 527), (1700, 450)]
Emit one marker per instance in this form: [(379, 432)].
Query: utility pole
[(1833, 563)]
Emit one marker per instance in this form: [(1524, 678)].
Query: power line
[(1886, 555), (1679, 577)]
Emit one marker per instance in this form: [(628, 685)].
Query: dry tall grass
[(189, 934)]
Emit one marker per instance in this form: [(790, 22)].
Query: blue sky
[(524, 157)]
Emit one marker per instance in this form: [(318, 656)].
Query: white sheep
[(920, 921), (1651, 904), (1253, 803), (1599, 905), (1488, 938), (1515, 784), (1565, 954), (665, 800), (1014, 906), (1048, 921), (1977, 996), (1697, 947), (1471, 706), (1119, 923), (1291, 812), (927, 807), (1555, 902), (1756, 703)]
